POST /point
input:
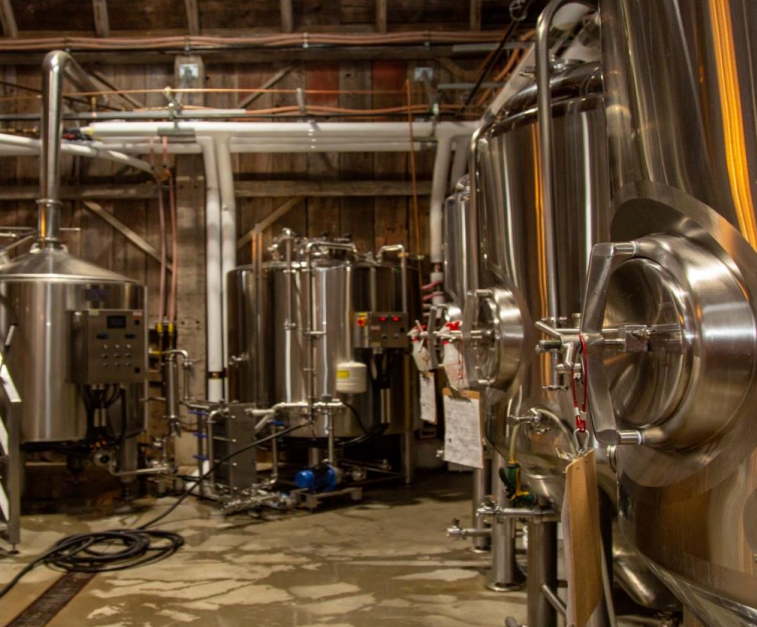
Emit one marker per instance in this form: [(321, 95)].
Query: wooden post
[(323, 213), (391, 214), (190, 266), (357, 213), (191, 300)]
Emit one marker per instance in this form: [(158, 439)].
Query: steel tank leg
[(408, 456), (503, 575), (128, 452), (315, 456), (542, 569), (481, 477)]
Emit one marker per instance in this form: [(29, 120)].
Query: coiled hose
[(121, 549)]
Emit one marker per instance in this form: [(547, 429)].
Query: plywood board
[(583, 544)]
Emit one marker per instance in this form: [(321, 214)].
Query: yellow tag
[(342, 374)]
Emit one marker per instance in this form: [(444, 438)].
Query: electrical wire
[(163, 252), (95, 553), (358, 417), (298, 40), (215, 467), (174, 241), (121, 549), (493, 58)]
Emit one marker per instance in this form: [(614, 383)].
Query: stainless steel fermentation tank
[(333, 295), (514, 286), (677, 292), (38, 294), (513, 295), (460, 259)]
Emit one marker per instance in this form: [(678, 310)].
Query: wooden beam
[(257, 55), (193, 17), (119, 226), (266, 222), (8, 19), (475, 14), (243, 189), (325, 189), (102, 21), (85, 192), (127, 97), (460, 73), (381, 16), (248, 100), (287, 16)]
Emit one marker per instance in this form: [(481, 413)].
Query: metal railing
[(11, 465)]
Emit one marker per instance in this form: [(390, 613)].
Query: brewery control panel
[(382, 329), (109, 347)]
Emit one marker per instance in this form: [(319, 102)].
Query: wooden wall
[(372, 222)]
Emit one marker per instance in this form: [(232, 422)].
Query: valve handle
[(605, 259)]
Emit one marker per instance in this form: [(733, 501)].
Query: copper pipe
[(273, 40)]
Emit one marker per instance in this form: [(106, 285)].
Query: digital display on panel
[(116, 322)]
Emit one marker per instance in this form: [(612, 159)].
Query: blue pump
[(323, 478)]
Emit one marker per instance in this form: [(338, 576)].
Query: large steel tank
[(513, 292), (679, 287), (343, 286), (514, 250), (38, 293), (460, 259)]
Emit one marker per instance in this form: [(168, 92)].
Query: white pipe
[(522, 76), (459, 163), (284, 146), (138, 145), (214, 323), (354, 130), (438, 194), (80, 150), (306, 137), (228, 228)]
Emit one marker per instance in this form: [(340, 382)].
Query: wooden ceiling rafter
[(193, 17), (101, 17), (287, 16), (8, 19), (382, 16), (475, 14)]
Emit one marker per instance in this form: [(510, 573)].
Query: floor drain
[(52, 601)]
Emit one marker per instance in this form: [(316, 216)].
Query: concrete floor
[(383, 562)]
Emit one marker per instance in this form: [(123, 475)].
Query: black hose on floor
[(120, 549)]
